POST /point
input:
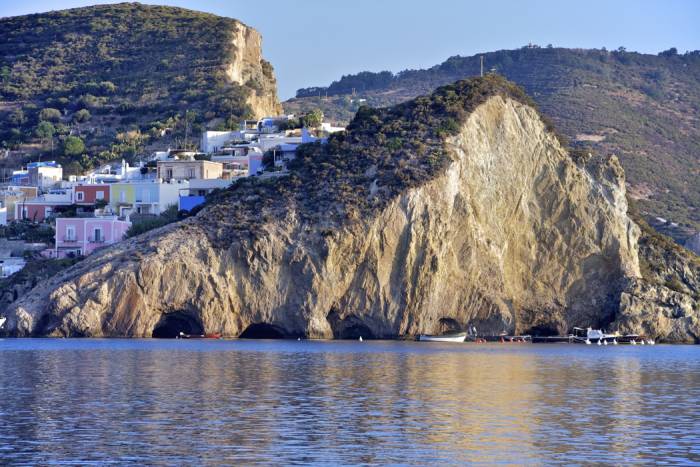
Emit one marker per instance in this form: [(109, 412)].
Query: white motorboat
[(449, 337), (589, 336)]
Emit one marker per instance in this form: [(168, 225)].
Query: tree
[(50, 115), (669, 53), (81, 116), (45, 131), (312, 119), (17, 118), (73, 146)]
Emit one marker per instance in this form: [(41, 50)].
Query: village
[(84, 213)]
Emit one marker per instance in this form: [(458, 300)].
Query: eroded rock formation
[(513, 234), (247, 67)]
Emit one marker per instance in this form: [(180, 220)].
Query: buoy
[(599, 342), (633, 342), (298, 338), (614, 341), (588, 341), (643, 342), (605, 342), (360, 339)]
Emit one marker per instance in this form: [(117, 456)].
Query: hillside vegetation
[(93, 84), (644, 108)]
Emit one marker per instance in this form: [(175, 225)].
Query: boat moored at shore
[(448, 337)]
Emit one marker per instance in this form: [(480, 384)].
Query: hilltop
[(458, 208), (123, 77), (643, 108)]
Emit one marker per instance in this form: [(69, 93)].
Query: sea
[(288, 402)]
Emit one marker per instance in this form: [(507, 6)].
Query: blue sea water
[(242, 402)]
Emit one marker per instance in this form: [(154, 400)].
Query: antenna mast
[(482, 66)]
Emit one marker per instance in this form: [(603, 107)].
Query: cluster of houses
[(97, 209)]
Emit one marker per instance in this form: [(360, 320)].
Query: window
[(98, 235), (145, 196), (100, 194), (169, 173), (70, 233), (79, 196), (25, 212), (48, 212), (122, 196), (190, 173)]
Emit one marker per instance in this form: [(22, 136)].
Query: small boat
[(448, 337), (2, 321), (214, 335)]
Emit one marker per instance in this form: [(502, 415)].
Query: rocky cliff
[(461, 208), (246, 67)]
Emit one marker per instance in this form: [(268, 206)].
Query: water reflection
[(245, 402)]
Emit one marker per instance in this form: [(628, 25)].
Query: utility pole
[(187, 127), (482, 66)]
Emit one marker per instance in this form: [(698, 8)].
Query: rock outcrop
[(510, 233), (247, 68)]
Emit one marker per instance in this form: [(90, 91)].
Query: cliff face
[(247, 66), (514, 235)]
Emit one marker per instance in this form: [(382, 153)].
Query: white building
[(45, 177), (11, 265)]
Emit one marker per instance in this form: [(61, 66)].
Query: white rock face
[(246, 65), (512, 236)]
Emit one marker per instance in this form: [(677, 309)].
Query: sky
[(313, 42)]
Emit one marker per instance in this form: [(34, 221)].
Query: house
[(37, 210), (10, 265), (20, 177), (179, 169), (144, 196), (213, 141), (113, 172), (195, 194), (16, 194), (89, 194), (76, 236), (44, 175), (43, 207)]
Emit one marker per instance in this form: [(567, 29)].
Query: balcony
[(69, 240), (96, 240)]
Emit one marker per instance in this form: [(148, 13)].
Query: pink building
[(83, 235)]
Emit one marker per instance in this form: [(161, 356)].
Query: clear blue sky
[(313, 42)]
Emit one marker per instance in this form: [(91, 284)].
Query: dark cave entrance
[(543, 330), (172, 324), (449, 325), (263, 331), (350, 327)]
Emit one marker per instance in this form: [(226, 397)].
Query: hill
[(454, 209), (120, 77), (643, 108)]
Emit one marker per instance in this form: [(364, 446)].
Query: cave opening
[(262, 331), (355, 331), (449, 325), (543, 330), (172, 324)]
